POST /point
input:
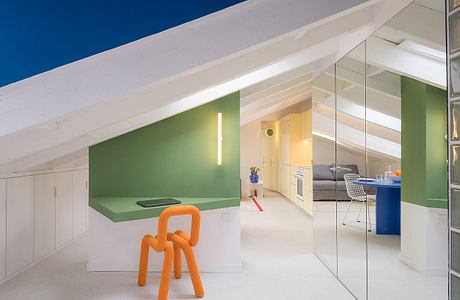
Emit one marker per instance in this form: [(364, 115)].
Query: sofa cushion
[(328, 185), (324, 185), (322, 172), (344, 169), (341, 186)]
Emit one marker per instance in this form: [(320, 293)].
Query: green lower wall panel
[(175, 157), (423, 146)]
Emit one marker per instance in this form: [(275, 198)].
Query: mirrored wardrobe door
[(324, 204), (350, 169)]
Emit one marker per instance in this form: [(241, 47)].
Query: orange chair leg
[(143, 261), (177, 262), (192, 265), (166, 273), (194, 272)]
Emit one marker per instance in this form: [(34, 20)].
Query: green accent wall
[(173, 157), (423, 147)]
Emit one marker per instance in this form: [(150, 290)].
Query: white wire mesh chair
[(356, 193)]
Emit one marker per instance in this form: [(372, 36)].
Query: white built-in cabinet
[(20, 224), (2, 229), (45, 215), (80, 202), (64, 211), (39, 214)]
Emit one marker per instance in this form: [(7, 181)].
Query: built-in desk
[(120, 209), (117, 225)]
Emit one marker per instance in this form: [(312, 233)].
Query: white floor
[(276, 252), (389, 278)]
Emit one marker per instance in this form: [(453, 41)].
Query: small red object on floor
[(254, 198)]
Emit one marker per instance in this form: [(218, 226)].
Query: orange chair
[(180, 241)]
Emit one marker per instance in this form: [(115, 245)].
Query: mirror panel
[(350, 165), (324, 205)]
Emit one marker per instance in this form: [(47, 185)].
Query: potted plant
[(254, 178)]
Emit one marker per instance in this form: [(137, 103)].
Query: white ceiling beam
[(274, 107), (261, 90), (398, 60), (376, 100), (417, 23), (355, 137), (276, 95)]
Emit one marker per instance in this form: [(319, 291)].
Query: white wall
[(424, 238), (250, 152)]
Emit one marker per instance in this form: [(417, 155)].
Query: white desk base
[(115, 246)]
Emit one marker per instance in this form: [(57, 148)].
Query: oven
[(299, 177)]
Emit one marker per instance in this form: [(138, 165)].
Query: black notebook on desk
[(158, 202)]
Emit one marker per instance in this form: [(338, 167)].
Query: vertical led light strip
[(219, 139)]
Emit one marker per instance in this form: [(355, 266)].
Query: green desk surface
[(120, 209)]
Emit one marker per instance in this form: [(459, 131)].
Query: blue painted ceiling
[(37, 36)]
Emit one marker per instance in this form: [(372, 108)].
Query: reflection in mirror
[(406, 121), (324, 205), (378, 111), (350, 167)]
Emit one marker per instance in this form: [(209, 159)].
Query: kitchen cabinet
[(307, 125), (80, 202), (64, 202), (270, 156), (275, 176), (267, 172), (20, 223), (45, 215), (308, 190), (288, 148), (285, 141), (2, 229), (293, 197), (285, 180)]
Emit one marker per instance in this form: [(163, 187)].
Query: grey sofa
[(324, 181)]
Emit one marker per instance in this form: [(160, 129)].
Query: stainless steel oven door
[(299, 188)]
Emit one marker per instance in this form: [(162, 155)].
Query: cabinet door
[(20, 223), (45, 215), (2, 229), (307, 125), (64, 195), (80, 202), (285, 181), (275, 177), (285, 142), (267, 175), (308, 191)]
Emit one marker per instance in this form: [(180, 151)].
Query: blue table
[(388, 206)]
